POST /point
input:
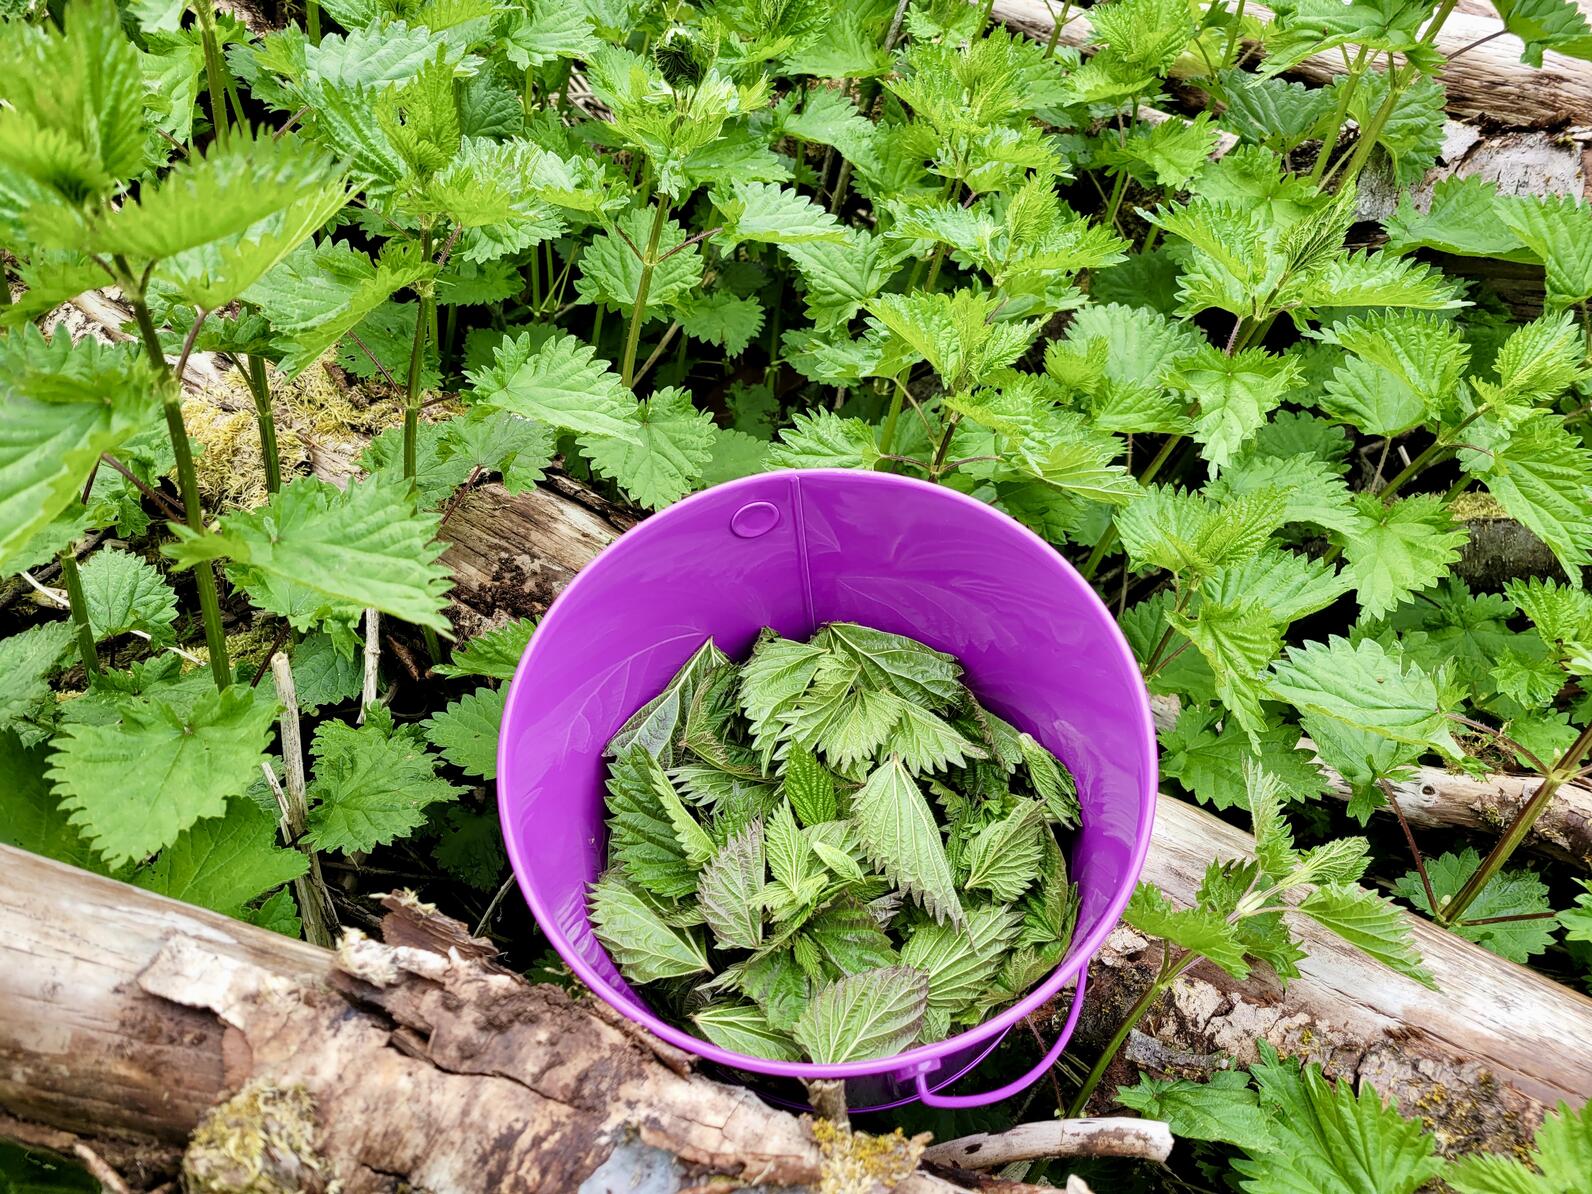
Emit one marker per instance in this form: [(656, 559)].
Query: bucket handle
[(930, 1099)]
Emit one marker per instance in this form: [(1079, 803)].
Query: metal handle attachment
[(930, 1099)]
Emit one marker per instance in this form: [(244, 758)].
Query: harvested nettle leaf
[(832, 851)]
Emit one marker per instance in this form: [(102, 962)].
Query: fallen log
[(158, 1038), (1481, 1058), (1433, 797)]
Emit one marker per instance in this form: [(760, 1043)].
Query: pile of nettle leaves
[(662, 245), (781, 805)]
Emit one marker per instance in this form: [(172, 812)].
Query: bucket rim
[(920, 1058)]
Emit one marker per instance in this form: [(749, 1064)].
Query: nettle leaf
[(372, 785), (635, 934), (743, 1028), (611, 271), (823, 439), (1411, 132), (1210, 761), (26, 662), (224, 863), (321, 292), (61, 405), (324, 673), (125, 593), (1238, 639), (927, 742), (466, 732), (1559, 1160), (840, 276), (34, 819), (771, 214), (1272, 112), (1558, 229), (654, 727), (1364, 687), (808, 786), (1312, 490), (662, 456), (872, 1014), (1399, 549), (1003, 857), (1508, 893), (1288, 585), (493, 654), (957, 334), (1538, 474), (470, 847), (1223, 1109), (1406, 366), (899, 834), (134, 782), (721, 318), (366, 546), (557, 381), (1328, 1140), (517, 449), (1546, 25), (1368, 922), (1198, 929), (960, 962), (904, 666), (1188, 534), (1460, 221), (1233, 395), (730, 890)]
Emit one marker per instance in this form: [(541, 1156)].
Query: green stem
[(1055, 30), (1109, 537), (1398, 79), (260, 387), (1168, 975), (187, 479), (417, 353), (1329, 143), (312, 18), (214, 85), (935, 263), (79, 605), (597, 327), (1524, 820), (937, 465), (638, 314), (1150, 238), (1232, 36), (1118, 189), (887, 433)]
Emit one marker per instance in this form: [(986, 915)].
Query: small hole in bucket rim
[(754, 519)]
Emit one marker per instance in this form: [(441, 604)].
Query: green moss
[(260, 1141)]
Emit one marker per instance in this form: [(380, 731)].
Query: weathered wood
[(131, 1019), (1434, 797), (1482, 1058)]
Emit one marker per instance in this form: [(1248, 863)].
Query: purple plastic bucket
[(794, 550)]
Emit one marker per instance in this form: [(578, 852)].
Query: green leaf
[(1460, 221), (75, 101), (1233, 394), (1003, 856), (743, 1028), (1508, 893), (372, 785), (1410, 133), (366, 546), (124, 593), (1271, 112), (466, 732), (846, 724), (656, 726), (958, 334), (135, 782), (518, 450), (1399, 549), (556, 381), (1286, 584), (808, 786), (1312, 490), (635, 935), (913, 671), (1362, 686), (1368, 922), (1558, 229), (661, 458), (320, 293), (34, 820), (960, 960), (899, 834), (61, 406), (224, 863), (1538, 474), (1328, 1140), (1546, 25), (642, 840), (1559, 1161), (1188, 534), (926, 741), (1238, 639), (839, 277), (721, 318), (1406, 366), (1210, 762), (470, 847), (771, 214), (437, 473), (822, 439), (730, 890), (872, 1014), (1223, 1109), (493, 654), (324, 673), (611, 269), (1197, 929), (1374, 280), (26, 662)]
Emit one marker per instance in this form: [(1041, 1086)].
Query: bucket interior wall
[(910, 558)]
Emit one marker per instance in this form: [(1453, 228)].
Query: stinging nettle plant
[(662, 245)]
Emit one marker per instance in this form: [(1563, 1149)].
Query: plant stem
[(1232, 36), (187, 479), (1524, 820), (887, 432), (214, 85), (1055, 30), (638, 314), (938, 463), (260, 388), (312, 18), (1118, 188), (1329, 143), (314, 901), (1170, 972), (417, 354), (79, 607)]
